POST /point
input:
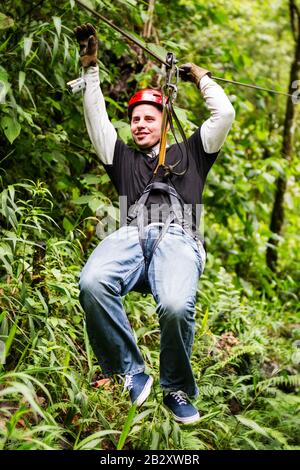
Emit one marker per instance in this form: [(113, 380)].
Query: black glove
[(192, 73), (87, 38)]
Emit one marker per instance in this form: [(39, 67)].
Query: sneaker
[(182, 410), (139, 386)]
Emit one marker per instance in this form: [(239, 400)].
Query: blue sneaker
[(139, 386), (182, 410)]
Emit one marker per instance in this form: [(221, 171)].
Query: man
[(158, 248)]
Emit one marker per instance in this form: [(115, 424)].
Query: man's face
[(146, 125)]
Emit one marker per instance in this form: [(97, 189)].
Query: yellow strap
[(163, 140)]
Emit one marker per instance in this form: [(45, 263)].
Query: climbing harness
[(140, 44), (176, 214)]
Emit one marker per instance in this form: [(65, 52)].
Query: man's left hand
[(192, 73)]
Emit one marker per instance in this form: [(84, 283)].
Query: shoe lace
[(128, 382), (180, 397)]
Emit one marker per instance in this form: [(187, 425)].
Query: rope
[(159, 59)]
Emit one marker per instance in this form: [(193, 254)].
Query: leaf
[(67, 225), (95, 204), (30, 96), (5, 21), (11, 128), (88, 3), (204, 326), (3, 90), (126, 428), (269, 178), (30, 397), (10, 338), (158, 50), (101, 383), (141, 416), (57, 24), (22, 76), (249, 423), (275, 434), (66, 48), (124, 132), (116, 105), (55, 48), (3, 76), (83, 200), (40, 75), (27, 46), (93, 440), (91, 179), (155, 440)]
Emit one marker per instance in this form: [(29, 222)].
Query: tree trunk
[(277, 217), (148, 25)]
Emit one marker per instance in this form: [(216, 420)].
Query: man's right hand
[(87, 38)]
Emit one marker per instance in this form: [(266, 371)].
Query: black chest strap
[(137, 211)]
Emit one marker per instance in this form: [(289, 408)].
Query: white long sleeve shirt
[(104, 136)]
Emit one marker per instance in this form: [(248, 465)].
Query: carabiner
[(172, 77)]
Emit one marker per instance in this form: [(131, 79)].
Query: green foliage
[(246, 351)]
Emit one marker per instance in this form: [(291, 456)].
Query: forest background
[(246, 355)]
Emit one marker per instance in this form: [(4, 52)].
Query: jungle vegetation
[(246, 354)]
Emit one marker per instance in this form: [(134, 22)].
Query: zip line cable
[(121, 31), (256, 87), (159, 59)]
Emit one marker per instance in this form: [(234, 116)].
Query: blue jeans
[(115, 267)]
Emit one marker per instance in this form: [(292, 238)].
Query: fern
[(288, 381), (252, 425), (278, 436), (236, 355)]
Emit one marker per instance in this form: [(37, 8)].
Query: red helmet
[(147, 96)]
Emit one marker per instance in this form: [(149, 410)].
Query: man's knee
[(92, 282), (175, 310)]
